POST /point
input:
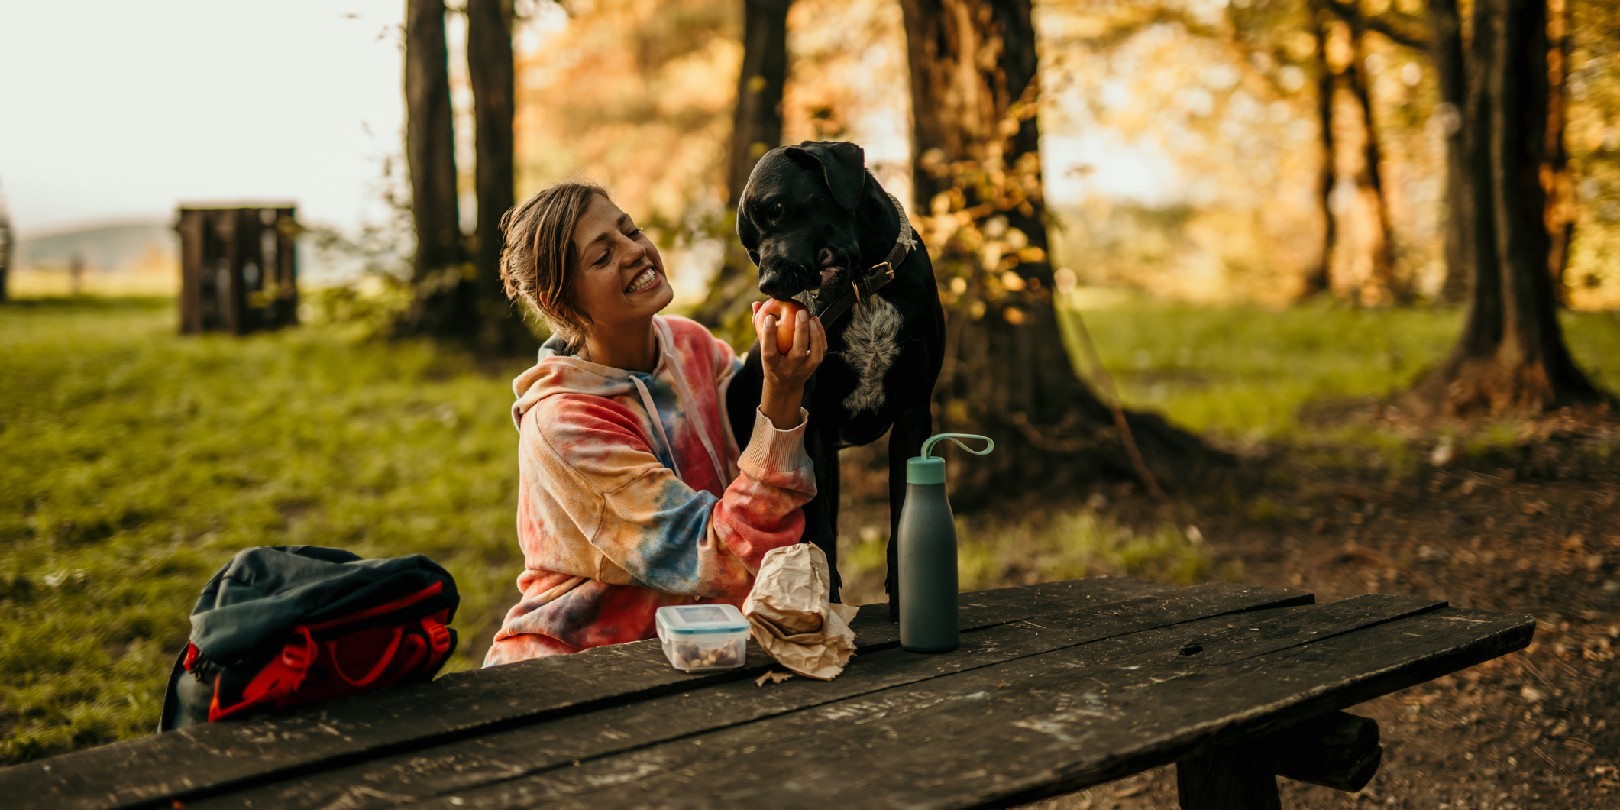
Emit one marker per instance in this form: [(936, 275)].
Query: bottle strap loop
[(989, 443)]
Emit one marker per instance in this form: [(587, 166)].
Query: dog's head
[(797, 216)]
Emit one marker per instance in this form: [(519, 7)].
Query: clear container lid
[(685, 620)]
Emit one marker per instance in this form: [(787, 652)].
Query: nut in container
[(700, 638)]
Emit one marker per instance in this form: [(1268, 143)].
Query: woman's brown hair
[(538, 260)]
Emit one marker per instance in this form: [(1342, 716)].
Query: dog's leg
[(828, 495), (821, 513)]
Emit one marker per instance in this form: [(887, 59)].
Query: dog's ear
[(843, 166)]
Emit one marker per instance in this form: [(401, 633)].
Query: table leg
[(1226, 781)]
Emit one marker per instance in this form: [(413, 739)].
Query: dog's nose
[(775, 284)]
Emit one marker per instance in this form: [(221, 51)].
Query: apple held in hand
[(787, 313)]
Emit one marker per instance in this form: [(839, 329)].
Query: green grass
[(137, 462), (1244, 372)]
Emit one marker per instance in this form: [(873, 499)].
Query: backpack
[(282, 626)]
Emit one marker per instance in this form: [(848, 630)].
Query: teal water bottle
[(927, 552)]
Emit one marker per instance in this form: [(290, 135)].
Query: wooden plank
[(1224, 636), (562, 742), (982, 609), (201, 758), (1049, 724)]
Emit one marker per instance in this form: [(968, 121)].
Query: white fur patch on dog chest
[(872, 340)]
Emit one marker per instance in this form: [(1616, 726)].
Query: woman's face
[(621, 276)]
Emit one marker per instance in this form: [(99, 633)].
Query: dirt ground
[(1530, 528)]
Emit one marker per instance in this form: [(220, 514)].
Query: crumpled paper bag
[(789, 615)]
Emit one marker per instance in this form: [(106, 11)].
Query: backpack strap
[(384, 660), (278, 678)]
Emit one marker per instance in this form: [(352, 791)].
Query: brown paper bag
[(790, 617)]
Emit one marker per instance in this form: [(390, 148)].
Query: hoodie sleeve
[(591, 457)]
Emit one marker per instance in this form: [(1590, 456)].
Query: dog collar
[(832, 307)]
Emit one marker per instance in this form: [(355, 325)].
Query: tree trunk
[(1558, 179), (1007, 372), (1512, 356), (1380, 286), (1320, 279), (756, 124), (6, 252), (1446, 51), (490, 68), (756, 127), (443, 304)]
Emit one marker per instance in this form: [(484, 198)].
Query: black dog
[(824, 232)]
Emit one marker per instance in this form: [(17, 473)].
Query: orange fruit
[(787, 313)]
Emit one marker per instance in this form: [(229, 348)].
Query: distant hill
[(148, 246), (109, 248)]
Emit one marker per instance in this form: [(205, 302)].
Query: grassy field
[(136, 462)]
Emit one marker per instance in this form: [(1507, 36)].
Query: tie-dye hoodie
[(632, 494)]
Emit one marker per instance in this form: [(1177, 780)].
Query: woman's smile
[(644, 280)]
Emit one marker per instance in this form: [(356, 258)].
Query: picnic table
[(1055, 687)]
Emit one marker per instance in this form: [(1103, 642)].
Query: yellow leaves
[(1014, 316), (1011, 281), (1065, 279)]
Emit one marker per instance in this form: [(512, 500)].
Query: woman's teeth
[(643, 281)]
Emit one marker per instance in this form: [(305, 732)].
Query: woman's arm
[(787, 372), (596, 480)]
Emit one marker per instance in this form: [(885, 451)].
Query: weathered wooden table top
[(1055, 687)]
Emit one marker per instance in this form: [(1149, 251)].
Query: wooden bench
[(1056, 687)]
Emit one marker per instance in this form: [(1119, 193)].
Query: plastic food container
[(700, 638)]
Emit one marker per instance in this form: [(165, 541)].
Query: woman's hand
[(787, 372)]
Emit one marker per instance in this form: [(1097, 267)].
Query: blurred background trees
[(1366, 151), (455, 277)]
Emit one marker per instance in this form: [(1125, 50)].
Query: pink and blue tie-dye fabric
[(633, 495)]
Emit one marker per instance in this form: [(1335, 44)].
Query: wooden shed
[(238, 267)]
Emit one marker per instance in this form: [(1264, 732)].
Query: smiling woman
[(633, 492)]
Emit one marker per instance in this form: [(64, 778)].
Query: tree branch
[(1393, 28)]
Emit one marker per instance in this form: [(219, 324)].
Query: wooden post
[(189, 227), (1226, 781), (217, 242), (1337, 750)]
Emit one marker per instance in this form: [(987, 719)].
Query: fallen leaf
[(773, 676)]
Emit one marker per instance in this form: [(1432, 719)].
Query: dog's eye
[(774, 211)]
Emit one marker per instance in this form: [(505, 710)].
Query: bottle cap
[(926, 469)]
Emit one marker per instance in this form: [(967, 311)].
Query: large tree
[(756, 127), (976, 169), (1319, 280), (444, 303), (1511, 356), (499, 327), (1450, 66), (1462, 89), (6, 251)]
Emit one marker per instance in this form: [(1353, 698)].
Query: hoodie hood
[(559, 371)]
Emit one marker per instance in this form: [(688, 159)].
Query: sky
[(115, 110)]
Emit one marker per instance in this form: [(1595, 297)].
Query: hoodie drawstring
[(658, 424), (683, 395)]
